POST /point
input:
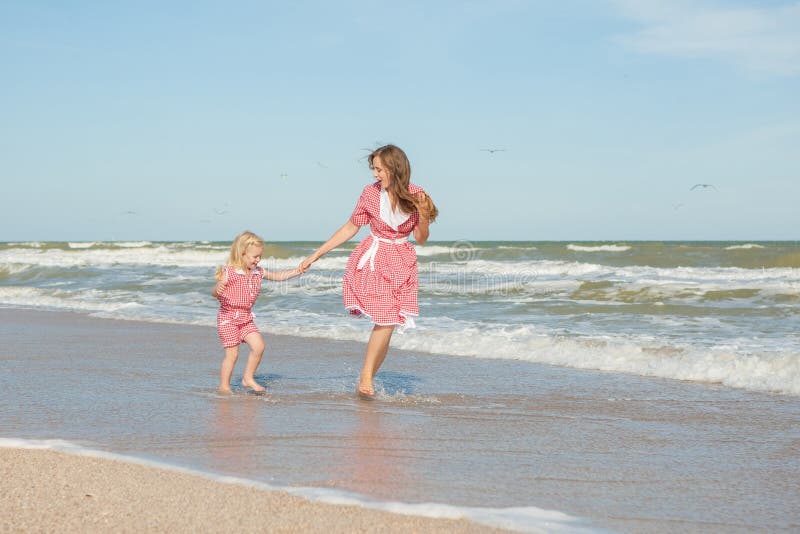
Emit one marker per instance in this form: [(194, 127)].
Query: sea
[(547, 386), (710, 312)]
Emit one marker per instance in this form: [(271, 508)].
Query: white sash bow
[(372, 251)]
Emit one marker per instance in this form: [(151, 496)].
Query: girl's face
[(380, 173), (252, 256)]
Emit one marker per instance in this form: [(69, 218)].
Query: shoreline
[(46, 490)]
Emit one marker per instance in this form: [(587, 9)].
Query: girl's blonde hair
[(238, 248), (396, 162)]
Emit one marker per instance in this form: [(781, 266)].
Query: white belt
[(372, 251)]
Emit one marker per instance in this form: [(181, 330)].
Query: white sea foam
[(131, 244), (522, 519), (28, 244), (747, 246), (436, 250), (88, 300), (104, 257), (598, 248), (161, 255), (82, 244)]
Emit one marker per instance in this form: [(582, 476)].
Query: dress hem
[(408, 316)]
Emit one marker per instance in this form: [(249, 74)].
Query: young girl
[(380, 280), (237, 288)]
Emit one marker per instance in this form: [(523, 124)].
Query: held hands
[(305, 265)]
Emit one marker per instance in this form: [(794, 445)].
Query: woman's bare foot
[(365, 391), (225, 391), (252, 384)]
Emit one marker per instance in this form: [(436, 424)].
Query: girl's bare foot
[(225, 391), (252, 384)]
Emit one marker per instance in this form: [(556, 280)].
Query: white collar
[(392, 218)]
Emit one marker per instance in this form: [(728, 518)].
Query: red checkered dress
[(235, 317), (380, 280)]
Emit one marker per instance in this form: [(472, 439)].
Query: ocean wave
[(588, 281), (87, 300), (156, 255), (747, 246), (522, 518), (27, 244), (771, 371), (438, 250), (131, 244), (598, 248)]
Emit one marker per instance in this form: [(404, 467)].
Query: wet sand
[(49, 491), (623, 452)]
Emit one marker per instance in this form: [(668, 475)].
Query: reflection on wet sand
[(373, 465), (230, 435)]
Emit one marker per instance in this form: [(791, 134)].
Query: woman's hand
[(305, 265), (424, 206)]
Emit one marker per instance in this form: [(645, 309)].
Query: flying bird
[(493, 150), (677, 206), (704, 186)]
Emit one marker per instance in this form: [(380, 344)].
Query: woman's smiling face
[(380, 173)]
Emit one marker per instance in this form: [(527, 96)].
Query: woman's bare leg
[(377, 347)]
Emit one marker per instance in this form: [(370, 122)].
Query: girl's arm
[(345, 233), (219, 287), (280, 276)]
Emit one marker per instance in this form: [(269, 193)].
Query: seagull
[(677, 206), (322, 165), (220, 212), (704, 186), (129, 212), (493, 150), (284, 176)]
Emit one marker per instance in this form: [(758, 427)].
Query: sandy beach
[(49, 491)]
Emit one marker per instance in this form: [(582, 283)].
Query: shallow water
[(623, 452), (718, 312)]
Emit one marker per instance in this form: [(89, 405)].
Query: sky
[(196, 120)]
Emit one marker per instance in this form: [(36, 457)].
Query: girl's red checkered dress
[(380, 280), (235, 317)]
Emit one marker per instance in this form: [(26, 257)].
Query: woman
[(380, 281)]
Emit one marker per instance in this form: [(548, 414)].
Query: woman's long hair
[(396, 162), (238, 248)]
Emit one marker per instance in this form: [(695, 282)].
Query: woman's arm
[(280, 276), (422, 229), (345, 233)]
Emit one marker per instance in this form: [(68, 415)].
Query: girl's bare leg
[(226, 370), (377, 347), (256, 344)]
